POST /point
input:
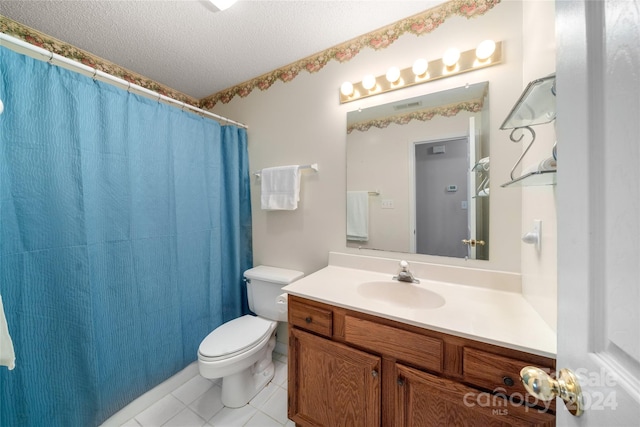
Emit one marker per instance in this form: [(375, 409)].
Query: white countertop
[(491, 316)]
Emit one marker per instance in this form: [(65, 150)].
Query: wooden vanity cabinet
[(348, 368), (336, 385), (423, 399)]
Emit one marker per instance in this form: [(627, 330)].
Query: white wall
[(302, 122), (539, 269)]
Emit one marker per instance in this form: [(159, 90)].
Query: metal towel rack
[(313, 166)]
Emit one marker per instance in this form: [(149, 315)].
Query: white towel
[(484, 163), (7, 356), (280, 188), (358, 215), (549, 164), (484, 192)]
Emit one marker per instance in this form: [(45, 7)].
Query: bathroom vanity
[(358, 360)]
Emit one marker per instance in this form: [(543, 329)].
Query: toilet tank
[(264, 285)]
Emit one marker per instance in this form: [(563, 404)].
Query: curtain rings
[(50, 61), (95, 74), (129, 87)]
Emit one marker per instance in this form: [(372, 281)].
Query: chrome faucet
[(404, 274)]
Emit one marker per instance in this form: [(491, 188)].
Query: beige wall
[(302, 122), (539, 269)]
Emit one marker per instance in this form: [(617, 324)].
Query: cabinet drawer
[(496, 373), (310, 318), (410, 347), (427, 400)]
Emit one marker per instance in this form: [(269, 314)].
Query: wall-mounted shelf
[(536, 106), (533, 178)]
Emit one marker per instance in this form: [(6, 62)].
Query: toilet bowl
[(240, 351)]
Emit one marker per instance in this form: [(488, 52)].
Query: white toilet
[(240, 350)]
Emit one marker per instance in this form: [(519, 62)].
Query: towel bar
[(313, 166)]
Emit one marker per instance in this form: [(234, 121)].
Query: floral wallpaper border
[(424, 115), (419, 24)]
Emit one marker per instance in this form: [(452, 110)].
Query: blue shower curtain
[(125, 227)]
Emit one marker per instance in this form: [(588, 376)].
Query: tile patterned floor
[(189, 400)]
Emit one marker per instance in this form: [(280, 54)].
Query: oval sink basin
[(401, 294)]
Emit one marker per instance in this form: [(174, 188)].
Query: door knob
[(540, 385)]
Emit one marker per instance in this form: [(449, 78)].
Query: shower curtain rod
[(23, 47)]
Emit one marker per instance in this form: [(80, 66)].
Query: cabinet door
[(426, 400), (331, 384)]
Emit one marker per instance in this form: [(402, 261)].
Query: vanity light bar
[(436, 69)]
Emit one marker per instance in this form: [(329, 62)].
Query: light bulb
[(368, 82), (420, 67), (346, 89), (450, 57), (393, 74), (485, 50)]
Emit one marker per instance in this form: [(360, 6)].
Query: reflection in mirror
[(418, 174)]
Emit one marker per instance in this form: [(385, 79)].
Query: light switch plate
[(387, 204)]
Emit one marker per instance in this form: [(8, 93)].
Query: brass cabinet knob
[(540, 385), (473, 242)]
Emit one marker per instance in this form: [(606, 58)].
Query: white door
[(441, 195), (472, 187), (598, 128)]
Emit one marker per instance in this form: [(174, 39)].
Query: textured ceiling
[(189, 47)]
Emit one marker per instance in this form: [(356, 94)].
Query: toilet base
[(238, 389)]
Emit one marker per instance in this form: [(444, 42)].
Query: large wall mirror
[(418, 174)]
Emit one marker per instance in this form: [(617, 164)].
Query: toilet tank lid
[(273, 274)]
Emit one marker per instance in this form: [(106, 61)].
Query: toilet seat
[(235, 337)]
